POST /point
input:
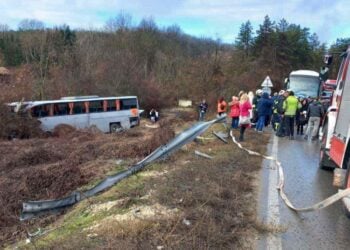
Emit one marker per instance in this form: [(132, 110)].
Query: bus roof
[(72, 99), (304, 73)]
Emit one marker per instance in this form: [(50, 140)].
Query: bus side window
[(41, 111), (35, 112), (61, 109), (127, 104), (56, 110), (96, 106), (79, 108), (111, 105), (45, 111)]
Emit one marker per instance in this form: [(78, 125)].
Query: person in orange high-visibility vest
[(222, 105)]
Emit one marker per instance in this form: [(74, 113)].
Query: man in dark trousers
[(278, 113), (264, 110), (256, 99), (314, 112), (203, 107), (290, 106)]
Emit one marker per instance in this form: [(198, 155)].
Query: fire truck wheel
[(346, 202), (325, 163), (347, 176)]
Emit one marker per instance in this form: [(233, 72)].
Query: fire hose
[(280, 186)]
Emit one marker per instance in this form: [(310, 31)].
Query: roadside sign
[(267, 82)]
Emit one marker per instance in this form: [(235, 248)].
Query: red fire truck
[(335, 146), (327, 89)]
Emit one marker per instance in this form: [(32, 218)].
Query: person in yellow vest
[(222, 106), (290, 107)]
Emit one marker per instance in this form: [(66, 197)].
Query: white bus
[(304, 83), (108, 114)]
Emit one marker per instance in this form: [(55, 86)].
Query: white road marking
[(274, 241)]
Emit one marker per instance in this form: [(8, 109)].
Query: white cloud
[(212, 18)]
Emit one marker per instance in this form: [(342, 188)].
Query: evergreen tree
[(282, 26), (314, 42), (10, 48), (265, 32), (245, 38), (336, 49), (67, 35)]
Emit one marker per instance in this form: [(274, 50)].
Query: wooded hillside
[(159, 65)]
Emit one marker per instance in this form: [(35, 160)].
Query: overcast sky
[(330, 19)]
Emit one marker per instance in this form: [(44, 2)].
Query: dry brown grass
[(36, 169), (215, 202), (212, 202)]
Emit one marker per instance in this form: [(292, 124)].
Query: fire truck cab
[(335, 147)]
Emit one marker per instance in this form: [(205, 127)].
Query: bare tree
[(31, 24), (148, 24), (4, 27), (122, 22), (37, 51)]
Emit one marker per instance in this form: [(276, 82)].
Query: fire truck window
[(344, 74)]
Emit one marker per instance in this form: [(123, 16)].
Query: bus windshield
[(304, 86)]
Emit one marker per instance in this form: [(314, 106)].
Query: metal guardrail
[(34, 208)]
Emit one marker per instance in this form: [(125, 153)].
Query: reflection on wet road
[(305, 185)]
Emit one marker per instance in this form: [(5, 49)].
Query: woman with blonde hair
[(234, 112), (244, 118)]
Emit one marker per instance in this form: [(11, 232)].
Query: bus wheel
[(325, 162), (115, 127)]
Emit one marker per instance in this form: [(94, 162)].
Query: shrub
[(17, 125)]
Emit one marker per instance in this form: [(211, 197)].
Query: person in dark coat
[(264, 110), (154, 115), (203, 107), (314, 113), (256, 99), (280, 125), (301, 118)]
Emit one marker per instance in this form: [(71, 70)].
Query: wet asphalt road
[(305, 185)]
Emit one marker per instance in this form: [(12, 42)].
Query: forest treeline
[(160, 65)]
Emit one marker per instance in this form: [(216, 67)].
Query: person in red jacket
[(234, 113), (222, 105)]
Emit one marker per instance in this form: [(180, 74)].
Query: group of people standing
[(297, 112), (283, 110), (240, 108)]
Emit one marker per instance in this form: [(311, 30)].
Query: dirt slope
[(50, 168)]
